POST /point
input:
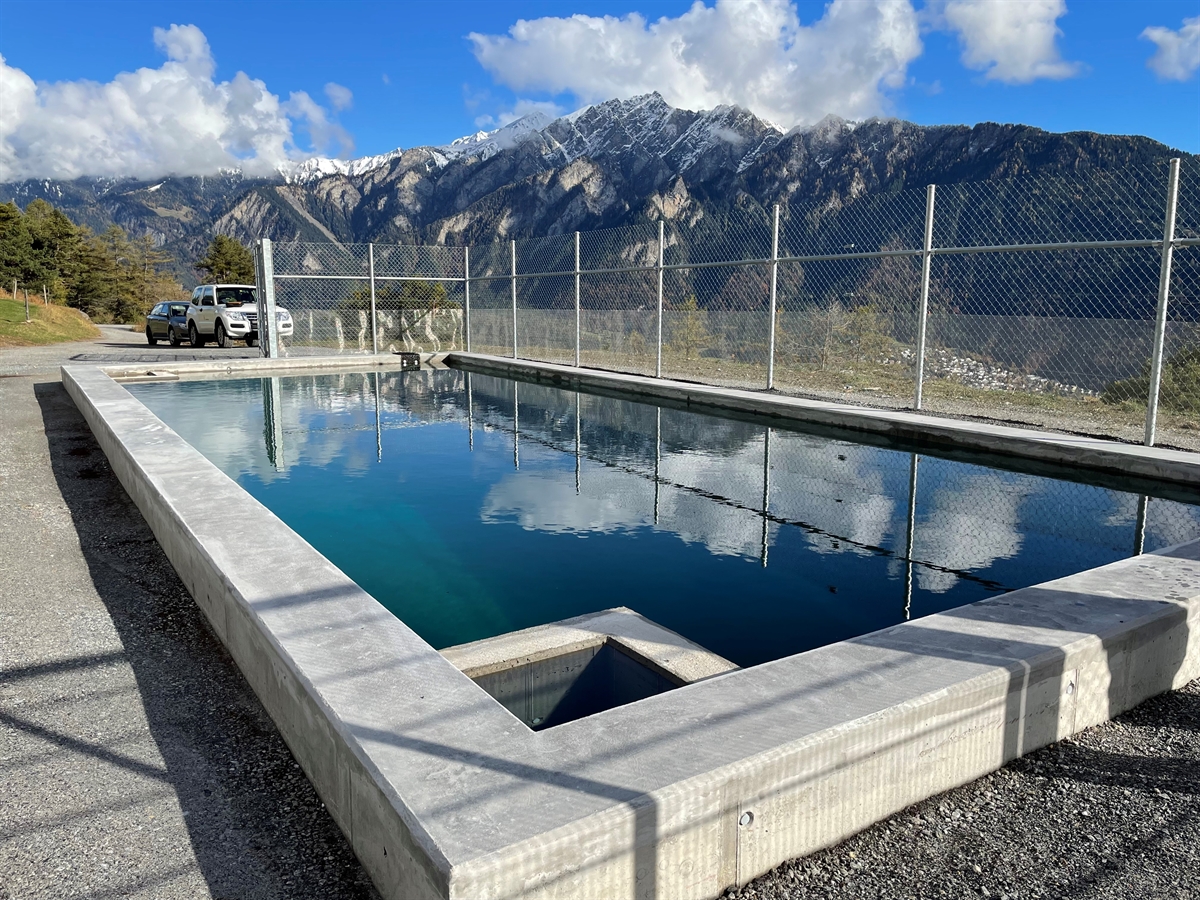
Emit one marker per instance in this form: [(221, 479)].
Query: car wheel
[(223, 337), (194, 337), (173, 337), (150, 338)]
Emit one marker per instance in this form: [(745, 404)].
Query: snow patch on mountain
[(486, 144), (317, 167)]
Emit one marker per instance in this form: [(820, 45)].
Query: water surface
[(471, 506)]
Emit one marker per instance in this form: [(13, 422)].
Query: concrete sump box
[(567, 670), (559, 689)]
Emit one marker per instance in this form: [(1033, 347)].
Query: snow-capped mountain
[(648, 122), (481, 145), (317, 167), (486, 144), (605, 165)]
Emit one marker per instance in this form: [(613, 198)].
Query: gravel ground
[(1110, 813), (136, 762)]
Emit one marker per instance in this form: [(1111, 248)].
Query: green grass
[(49, 324)]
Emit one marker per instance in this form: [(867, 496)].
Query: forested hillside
[(109, 276)]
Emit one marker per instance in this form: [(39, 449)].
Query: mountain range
[(607, 165)]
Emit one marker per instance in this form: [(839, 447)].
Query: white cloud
[(1013, 41), (519, 110), (753, 53), (1178, 55), (171, 120), (340, 97)]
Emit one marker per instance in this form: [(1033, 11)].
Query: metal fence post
[(1164, 289), (661, 250), (268, 333), (766, 504), (514, 297), (923, 307), (467, 297), (577, 299), (910, 535), (774, 288), (374, 324), (1139, 525)]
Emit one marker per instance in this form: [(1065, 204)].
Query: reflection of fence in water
[(942, 521)]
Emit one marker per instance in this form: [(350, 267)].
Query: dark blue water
[(471, 506)]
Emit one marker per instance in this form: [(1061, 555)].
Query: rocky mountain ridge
[(606, 165)]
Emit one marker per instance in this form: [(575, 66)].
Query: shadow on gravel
[(1124, 770), (256, 825), (1178, 711)]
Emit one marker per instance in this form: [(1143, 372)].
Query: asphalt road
[(136, 762)]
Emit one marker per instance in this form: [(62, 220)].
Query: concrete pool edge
[(646, 798), (1112, 457)]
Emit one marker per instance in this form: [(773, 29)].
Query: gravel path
[(1112, 813), (136, 762)]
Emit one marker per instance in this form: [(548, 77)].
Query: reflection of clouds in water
[(231, 435), (1167, 523), (612, 500), (970, 523), (609, 501), (724, 530), (844, 497), (836, 487), (1123, 512)]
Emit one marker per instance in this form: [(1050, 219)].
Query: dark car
[(167, 320)]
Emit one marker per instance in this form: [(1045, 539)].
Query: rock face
[(607, 165)]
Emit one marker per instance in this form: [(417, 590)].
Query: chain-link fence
[(1065, 303)]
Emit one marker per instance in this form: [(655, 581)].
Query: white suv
[(229, 312)]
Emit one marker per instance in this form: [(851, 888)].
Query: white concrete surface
[(443, 794), (680, 660)]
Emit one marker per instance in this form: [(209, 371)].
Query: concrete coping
[(442, 793), (660, 649), (212, 369)]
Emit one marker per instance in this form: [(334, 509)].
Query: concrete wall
[(443, 794)]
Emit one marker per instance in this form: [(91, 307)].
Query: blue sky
[(410, 74)]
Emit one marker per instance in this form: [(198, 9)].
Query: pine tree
[(16, 246), (691, 330), (227, 261)]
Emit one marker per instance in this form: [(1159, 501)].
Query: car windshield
[(235, 296), (179, 309)]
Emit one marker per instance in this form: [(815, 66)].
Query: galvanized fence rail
[(1069, 303)]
